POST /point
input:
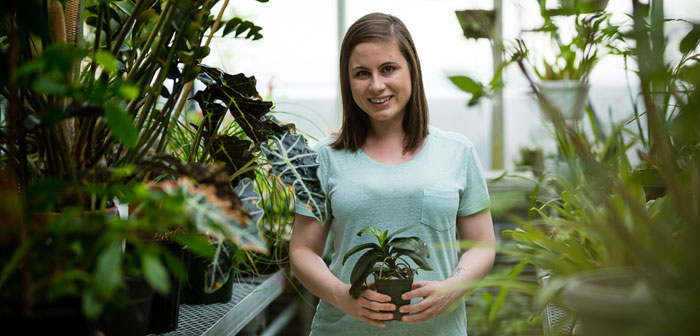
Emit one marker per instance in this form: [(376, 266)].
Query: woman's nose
[(377, 84)]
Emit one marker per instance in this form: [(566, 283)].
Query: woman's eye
[(362, 73), (389, 69)]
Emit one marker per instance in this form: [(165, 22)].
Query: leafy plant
[(602, 219), (386, 258)]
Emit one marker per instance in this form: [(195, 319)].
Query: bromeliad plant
[(387, 259)]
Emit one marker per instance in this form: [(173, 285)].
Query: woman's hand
[(368, 306), (436, 299)]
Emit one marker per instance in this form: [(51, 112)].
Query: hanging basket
[(476, 23)]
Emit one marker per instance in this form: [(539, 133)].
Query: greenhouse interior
[(319, 167)]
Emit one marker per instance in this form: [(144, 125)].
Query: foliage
[(602, 218), (386, 259), (82, 118), (514, 318), (296, 164)]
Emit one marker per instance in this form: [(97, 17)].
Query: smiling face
[(380, 81)]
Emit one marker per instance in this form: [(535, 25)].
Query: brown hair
[(356, 126)]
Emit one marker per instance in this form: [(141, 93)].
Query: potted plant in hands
[(386, 261)]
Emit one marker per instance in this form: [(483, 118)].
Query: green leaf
[(11, 264), (250, 199), (362, 269), (366, 261), (690, 41), (121, 124), (107, 61), (297, 165), (92, 307), (374, 231), (402, 230), (360, 248), (467, 84), (414, 244), (108, 274), (129, 91), (219, 269), (155, 273), (420, 261), (198, 245)]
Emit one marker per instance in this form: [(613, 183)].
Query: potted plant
[(564, 79), (573, 7), (476, 23), (387, 261), (76, 121), (620, 262)]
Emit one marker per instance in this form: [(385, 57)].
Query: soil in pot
[(192, 291), (395, 288)]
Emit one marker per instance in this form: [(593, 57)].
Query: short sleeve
[(320, 148), (475, 196)]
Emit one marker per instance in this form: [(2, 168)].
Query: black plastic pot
[(165, 309), (131, 320), (193, 290), (394, 288), (65, 318)]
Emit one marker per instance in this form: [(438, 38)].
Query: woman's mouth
[(380, 100)]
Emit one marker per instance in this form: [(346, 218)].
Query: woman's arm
[(474, 264), (305, 251)]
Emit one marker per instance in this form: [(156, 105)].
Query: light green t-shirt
[(443, 181)]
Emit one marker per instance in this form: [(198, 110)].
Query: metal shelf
[(250, 297)]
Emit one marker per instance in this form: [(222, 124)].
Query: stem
[(14, 172)]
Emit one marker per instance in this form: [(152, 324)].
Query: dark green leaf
[(690, 41), (250, 199), (360, 248), (198, 245), (402, 230), (155, 273), (108, 273), (121, 124), (219, 269), (296, 164), (420, 261), (467, 84)]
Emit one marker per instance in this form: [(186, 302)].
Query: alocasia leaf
[(250, 199), (235, 153), (297, 165), (219, 269)]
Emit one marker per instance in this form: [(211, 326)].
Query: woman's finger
[(376, 316), (418, 306), (420, 289), (375, 296), (377, 306)]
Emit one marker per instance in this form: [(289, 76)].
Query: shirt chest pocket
[(439, 209)]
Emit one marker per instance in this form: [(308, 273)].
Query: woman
[(388, 169)]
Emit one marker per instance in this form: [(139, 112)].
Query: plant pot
[(133, 318), (476, 23), (65, 318), (583, 6), (193, 290), (567, 96), (165, 309), (573, 7), (610, 302), (394, 288)]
